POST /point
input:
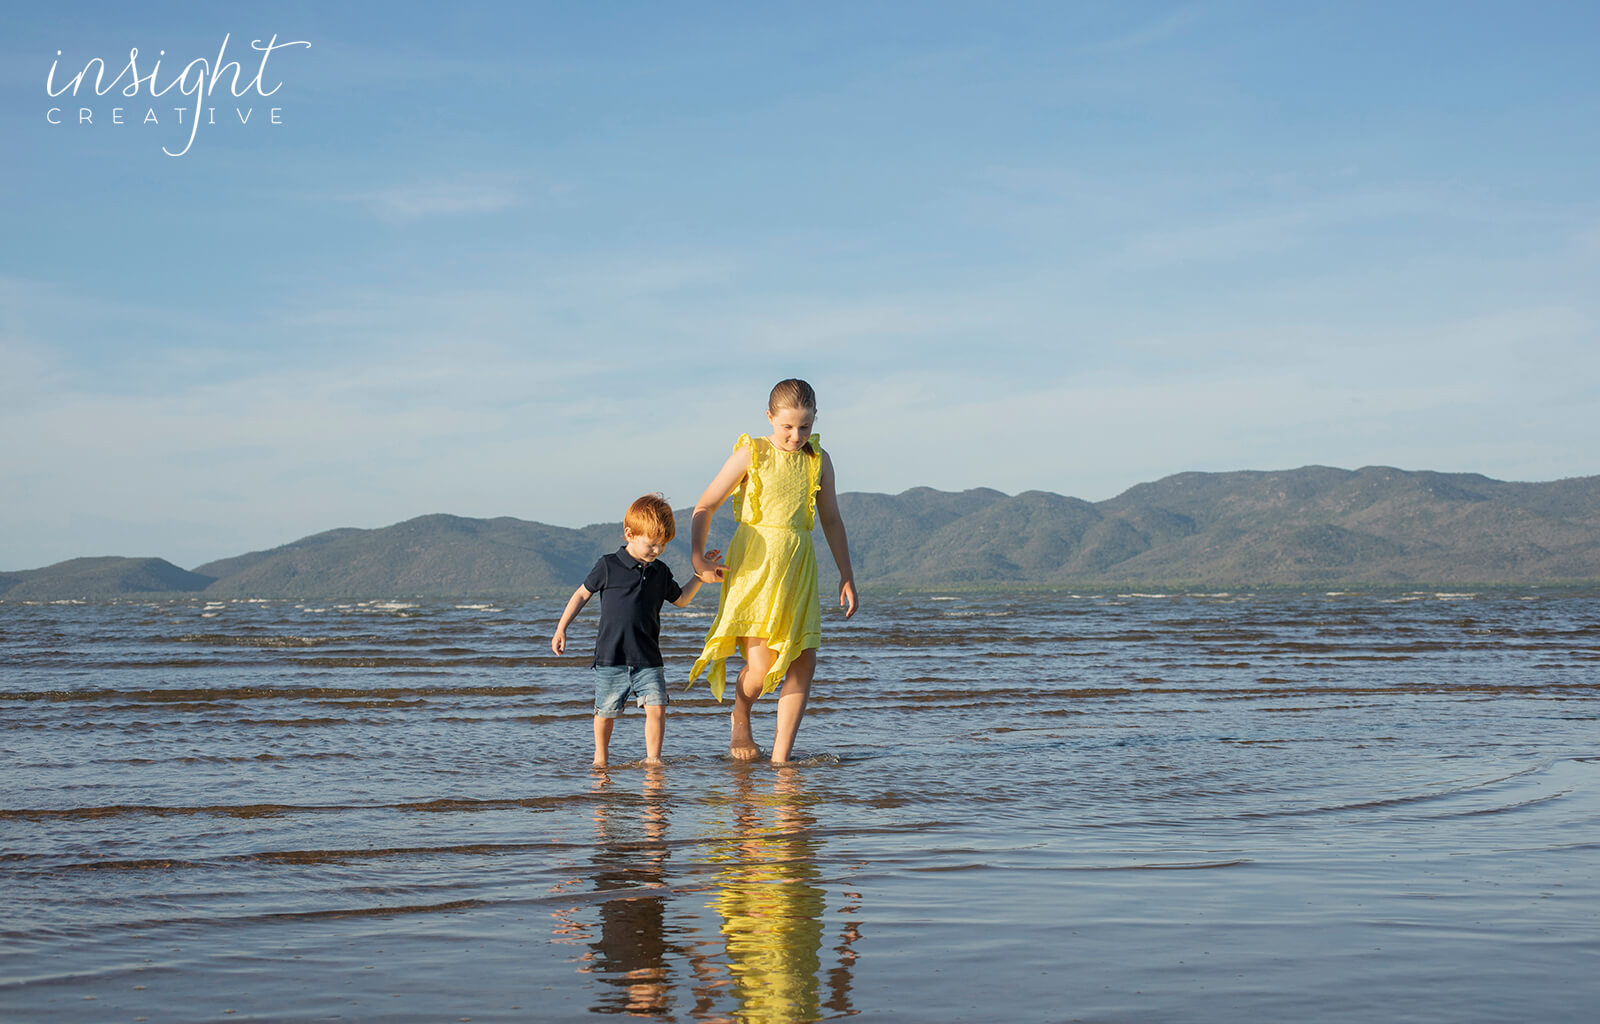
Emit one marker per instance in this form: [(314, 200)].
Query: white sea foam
[(376, 607)]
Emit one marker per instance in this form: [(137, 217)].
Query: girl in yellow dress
[(768, 609)]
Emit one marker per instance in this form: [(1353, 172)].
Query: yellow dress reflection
[(772, 912)]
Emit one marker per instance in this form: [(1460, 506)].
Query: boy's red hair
[(651, 516)]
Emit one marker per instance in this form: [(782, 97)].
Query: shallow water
[(1347, 807)]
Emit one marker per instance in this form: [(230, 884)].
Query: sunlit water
[(1341, 807)]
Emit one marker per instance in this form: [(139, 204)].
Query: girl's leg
[(758, 658), (792, 703), (655, 729)]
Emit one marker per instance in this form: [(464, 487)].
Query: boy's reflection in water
[(629, 955), (772, 910)]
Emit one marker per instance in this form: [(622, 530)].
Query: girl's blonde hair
[(794, 393)]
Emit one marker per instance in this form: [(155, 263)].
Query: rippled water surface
[(1343, 807)]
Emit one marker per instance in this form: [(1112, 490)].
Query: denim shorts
[(613, 683)]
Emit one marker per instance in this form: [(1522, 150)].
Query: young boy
[(627, 649)]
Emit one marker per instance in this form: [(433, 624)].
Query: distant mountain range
[(1313, 525)]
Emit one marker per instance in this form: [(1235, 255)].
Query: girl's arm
[(723, 484), (688, 589), (838, 543)]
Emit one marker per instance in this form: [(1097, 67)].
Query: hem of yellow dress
[(715, 664)]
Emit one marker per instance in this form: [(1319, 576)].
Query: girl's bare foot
[(741, 744), (600, 763), (653, 762)]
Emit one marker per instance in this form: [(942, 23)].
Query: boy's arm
[(693, 585), (575, 603)]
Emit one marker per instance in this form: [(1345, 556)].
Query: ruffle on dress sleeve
[(747, 499), (814, 469)]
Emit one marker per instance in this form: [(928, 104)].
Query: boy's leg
[(602, 739), (650, 688), (655, 730), (792, 703), (758, 658), (610, 690)]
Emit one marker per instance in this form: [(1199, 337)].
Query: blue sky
[(536, 259)]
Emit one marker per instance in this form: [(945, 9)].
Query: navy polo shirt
[(631, 593)]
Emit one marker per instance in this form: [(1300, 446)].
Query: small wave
[(229, 640), (240, 693), (274, 810), (1201, 865), (51, 864)]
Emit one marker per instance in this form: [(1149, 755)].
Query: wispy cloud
[(483, 403), (1169, 26), (461, 197)]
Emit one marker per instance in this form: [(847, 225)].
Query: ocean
[(1114, 807)]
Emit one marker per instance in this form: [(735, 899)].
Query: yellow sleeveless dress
[(770, 587)]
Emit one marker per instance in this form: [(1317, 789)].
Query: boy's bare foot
[(654, 762), (599, 762), (749, 753)]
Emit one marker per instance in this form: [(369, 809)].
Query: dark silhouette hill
[(434, 555), (89, 578), (1310, 526), (1373, 525)]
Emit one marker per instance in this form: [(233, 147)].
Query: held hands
[(847, 597), (708, 568)]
